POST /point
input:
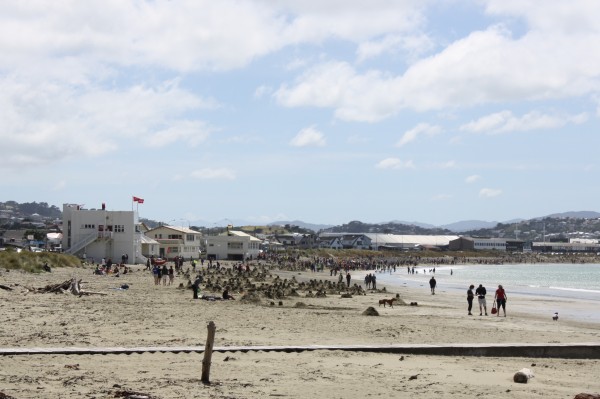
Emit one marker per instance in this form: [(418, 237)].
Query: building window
[(174, 237), (119, 228), (189, 237)]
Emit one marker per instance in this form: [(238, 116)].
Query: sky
[(302, 110)]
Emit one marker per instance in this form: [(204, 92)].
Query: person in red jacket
[(500, 299)]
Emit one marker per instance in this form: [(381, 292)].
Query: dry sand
[(147, 315)]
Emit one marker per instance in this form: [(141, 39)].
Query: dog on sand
[(385, 302), (555, 317)]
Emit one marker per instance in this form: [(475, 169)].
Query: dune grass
[(33, 262)]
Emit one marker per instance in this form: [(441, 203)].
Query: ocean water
[(568, 285)]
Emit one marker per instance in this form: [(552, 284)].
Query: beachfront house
[(290, 239), (174, 241), (330, 242), (232, 245), (100, 233), (355, 241)]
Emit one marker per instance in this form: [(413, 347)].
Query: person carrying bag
[(499, 299)]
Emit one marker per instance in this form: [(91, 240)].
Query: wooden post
[(210, 340)]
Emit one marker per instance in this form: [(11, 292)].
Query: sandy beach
[(149, 315)]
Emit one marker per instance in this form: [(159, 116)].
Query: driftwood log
[(73, 286), (5, 287)]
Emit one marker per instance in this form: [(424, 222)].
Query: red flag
[(138, 200)]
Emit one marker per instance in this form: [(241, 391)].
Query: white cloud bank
[(72, 74), (486, 67)]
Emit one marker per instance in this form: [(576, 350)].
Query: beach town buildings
[(100, 233), (232, 245), (381, 242), (487, 244), (175, 241)]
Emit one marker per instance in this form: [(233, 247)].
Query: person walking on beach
[(432, 284), (500, 299), (156, 274), (164, 273), (171, 275), (348, 277), (481, 292), (470, 297)]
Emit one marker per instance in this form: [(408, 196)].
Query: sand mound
[(371, 311)]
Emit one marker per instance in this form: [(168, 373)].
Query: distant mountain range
[(576, 215), (590, 222), (456, 227)]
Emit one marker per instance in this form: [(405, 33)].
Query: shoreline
[(582, 311)]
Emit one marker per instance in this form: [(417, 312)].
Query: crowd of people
[(164, 274)]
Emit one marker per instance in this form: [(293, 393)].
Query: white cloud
[(352, 20), (308, 137), (421, 129), (182, 36), (395, 163), (189, 132), (489, 192), (505, 121), (355, 97), (472, 179), (213, 174), (49, 122), (188, 35), (485, 67), (414, 46), (556, 15)]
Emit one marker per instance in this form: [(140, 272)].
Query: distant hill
[(576, 215), (467, 225), (301, 224), (27, 209), (418, 224)]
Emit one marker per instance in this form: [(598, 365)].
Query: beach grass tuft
[(33, 262)]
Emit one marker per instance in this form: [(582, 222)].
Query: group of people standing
[(164, 274), (481, 292), (371, 281)]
